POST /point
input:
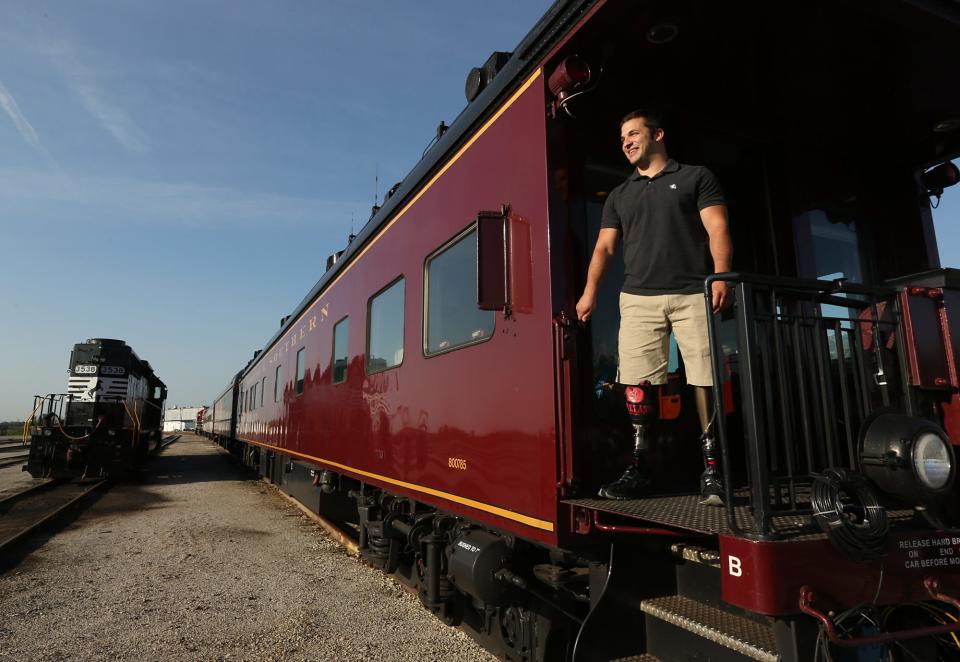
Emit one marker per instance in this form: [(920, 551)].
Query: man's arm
[(602, 254), (714, 219)]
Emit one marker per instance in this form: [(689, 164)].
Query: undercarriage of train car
[(519, 600)]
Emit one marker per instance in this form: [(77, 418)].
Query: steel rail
[(10, 499), (167, 441), (31, 525), (9, 461)]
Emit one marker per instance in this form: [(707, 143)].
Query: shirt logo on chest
[(673, 186)]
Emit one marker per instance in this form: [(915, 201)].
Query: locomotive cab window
[(385, 330), (301, 369), (340, 354), (452, 317)]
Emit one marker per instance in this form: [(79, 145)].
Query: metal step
[(696, 554), (741, 635)]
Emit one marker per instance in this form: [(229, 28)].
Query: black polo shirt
[(666, 249)]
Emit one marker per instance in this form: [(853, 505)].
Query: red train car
[(433, 393)]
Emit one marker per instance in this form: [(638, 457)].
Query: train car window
[(263, 389), (385, 330), (253, 397), (277, 388), (301, 369), (453, 319), (340, 355)]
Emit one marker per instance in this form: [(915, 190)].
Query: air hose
[(847, 510)]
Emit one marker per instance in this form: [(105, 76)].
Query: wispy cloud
[(34, 195), (86, 82), (23, 126), (112, 118)]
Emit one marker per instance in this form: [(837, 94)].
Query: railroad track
[(8, 460), (38, 506), (9, 445), (166, 441)]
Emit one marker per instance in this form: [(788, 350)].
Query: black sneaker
[(631, 485), (711, 487)]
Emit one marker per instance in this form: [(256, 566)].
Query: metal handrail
[(811, 424)]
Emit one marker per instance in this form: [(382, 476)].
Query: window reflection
[(829, 246), (340, 356), (453, 318), (385, 338), (301, 368)]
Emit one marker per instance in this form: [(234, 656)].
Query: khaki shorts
[(645, 326)]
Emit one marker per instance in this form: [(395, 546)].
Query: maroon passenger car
[(432, 392)]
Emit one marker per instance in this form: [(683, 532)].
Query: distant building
[(180, 419)]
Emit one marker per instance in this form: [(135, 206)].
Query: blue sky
[(174, 174)]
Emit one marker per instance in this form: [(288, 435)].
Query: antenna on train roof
[(376, 194), (441, 129)]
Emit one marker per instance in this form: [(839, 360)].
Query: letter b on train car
[(734, 566)]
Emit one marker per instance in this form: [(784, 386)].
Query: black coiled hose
[(847, 510)]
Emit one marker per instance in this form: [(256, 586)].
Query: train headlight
[(932, 461), (908, 457)]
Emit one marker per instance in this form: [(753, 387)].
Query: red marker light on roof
[(572, 73)]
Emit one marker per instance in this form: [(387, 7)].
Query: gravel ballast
[(200, 561)]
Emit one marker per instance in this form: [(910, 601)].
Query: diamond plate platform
[(685, 512), (747, 637), (682, 512)]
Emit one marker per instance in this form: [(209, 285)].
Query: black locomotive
[(108, 421)]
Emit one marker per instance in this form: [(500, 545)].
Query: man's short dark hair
[(652, 118)]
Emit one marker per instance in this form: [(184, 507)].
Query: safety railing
[(813, 359)]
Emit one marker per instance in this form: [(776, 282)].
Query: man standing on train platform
[(672, 218)]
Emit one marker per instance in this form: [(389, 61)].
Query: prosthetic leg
[(711, 486), (642, 409)]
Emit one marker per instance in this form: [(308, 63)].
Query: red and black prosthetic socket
[(642, 403), (642, 409)]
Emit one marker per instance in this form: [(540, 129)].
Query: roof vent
[(393, 189), (333, 259), (480, 77)]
